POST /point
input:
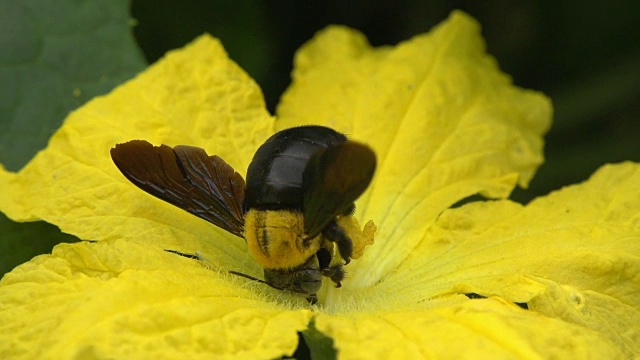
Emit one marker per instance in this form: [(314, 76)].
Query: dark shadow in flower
[(473, 296)]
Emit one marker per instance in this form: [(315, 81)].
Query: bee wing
[(332, 180), (186, 177)]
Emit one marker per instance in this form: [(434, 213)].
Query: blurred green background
[(54, 56)]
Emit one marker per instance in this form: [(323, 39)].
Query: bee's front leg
[(333, 232)]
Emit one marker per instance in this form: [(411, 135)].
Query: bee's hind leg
[(334, 272), (335, 233)]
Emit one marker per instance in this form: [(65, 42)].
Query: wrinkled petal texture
[(194, 96), (444, 122), (117, 299), (473, 329), (573, 257)]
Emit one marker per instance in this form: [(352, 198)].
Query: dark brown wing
[(332, 180), (186, 177)]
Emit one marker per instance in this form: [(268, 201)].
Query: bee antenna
[(252, 278)]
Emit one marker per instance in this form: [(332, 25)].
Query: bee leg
[(324, 258), (312, 299), (335, 233), (350, 211), (335, 273)]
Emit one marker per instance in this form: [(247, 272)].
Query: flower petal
[(444, 122), (194, 96), (573, 255), (461, 329), (119, 299)]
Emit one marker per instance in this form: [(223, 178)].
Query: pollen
[(360, 238)]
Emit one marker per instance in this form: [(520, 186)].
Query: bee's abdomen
[(274, 177), (275, 238)]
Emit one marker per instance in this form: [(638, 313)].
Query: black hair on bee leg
[(336, 273), (335, 233), (350, 210)]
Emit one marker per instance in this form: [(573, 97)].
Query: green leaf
[(54, 56), (42, 237), (320, 345)]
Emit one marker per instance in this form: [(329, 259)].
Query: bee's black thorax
[(274, 177)]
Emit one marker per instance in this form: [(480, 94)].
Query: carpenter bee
[(297, 203)]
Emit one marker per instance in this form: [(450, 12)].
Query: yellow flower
[(555, 278)]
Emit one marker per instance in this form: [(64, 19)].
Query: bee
[(296, 205)]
